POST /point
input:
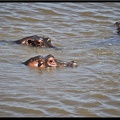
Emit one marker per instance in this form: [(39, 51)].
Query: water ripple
[(87, 35)]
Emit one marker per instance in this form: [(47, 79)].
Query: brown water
[(90, 90)]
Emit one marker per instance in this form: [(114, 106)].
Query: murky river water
[(90, 90)]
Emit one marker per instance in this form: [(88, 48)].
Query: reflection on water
[(86, 33)]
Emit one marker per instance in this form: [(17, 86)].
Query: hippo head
[(117, 24), (37, 61), (50, 61), (36, 41)]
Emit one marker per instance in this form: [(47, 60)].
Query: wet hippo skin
[(48, 61), (51, 61), (36, 41), (37, 61), (117, 24), (115, 40)]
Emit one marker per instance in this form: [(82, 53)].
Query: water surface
[(86, 33)]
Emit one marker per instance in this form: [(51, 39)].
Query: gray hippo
[(36, 41), (115, 40), (48, 61), (117, 24)]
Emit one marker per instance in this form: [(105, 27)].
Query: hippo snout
[(71, 64)]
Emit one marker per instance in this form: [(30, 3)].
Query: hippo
[(115, 40), (48, 61), (36, 41), (117, 24)]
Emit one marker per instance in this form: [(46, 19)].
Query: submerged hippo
[(51, 61), (115, 40), (36, 41), (48, 61), (117, 24)]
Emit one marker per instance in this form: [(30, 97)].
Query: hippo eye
[(50, 61)]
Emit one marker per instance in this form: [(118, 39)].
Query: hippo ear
[(117, 24), (39, 64), (23, 42), (48, 40)]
